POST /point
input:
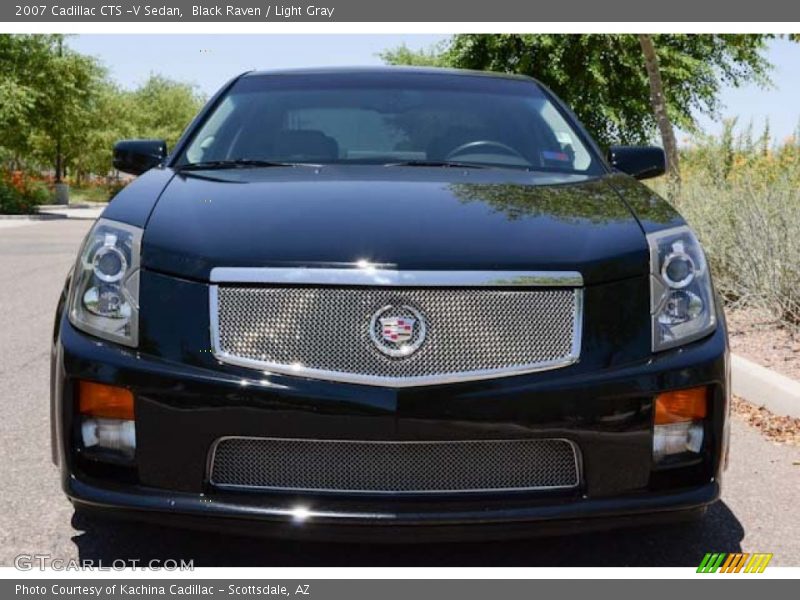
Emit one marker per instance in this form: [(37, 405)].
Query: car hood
[(401, 217)]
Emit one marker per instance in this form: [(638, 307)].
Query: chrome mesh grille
[(325, 331), (394, 467)]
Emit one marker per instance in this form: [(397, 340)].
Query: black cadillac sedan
[(389, 303)]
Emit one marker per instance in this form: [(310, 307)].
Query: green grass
[(78, 195)]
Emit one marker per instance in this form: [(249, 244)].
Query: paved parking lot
[(758, 512)]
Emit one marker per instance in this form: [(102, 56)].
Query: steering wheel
[(491, 144)]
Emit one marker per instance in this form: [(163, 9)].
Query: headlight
[(681, 297), (104, 297)]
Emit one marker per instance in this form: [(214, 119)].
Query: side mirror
[(137, 156), (641, 162)]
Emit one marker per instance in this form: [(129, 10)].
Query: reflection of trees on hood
[(645, 204), (594, 201)]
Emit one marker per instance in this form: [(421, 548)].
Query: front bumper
[(238, 516), (182, 408)]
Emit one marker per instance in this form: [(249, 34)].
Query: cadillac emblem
[(397, 331)]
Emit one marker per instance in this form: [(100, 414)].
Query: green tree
[(403, 55), (15, 104), (160, 108), (110, 121), (604, 77), (24, 63), (60, 111), (163, 108), (47, 92), (66, 113)]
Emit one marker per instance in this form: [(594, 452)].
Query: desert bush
[(741, 194), (751, 233)]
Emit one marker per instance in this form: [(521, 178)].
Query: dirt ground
[(756, 336)]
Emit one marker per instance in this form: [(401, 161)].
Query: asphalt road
[(758, 512)]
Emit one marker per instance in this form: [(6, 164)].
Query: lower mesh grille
[(394, 467)]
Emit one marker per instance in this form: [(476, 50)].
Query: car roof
[(391, 70)]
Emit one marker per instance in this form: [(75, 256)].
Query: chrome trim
[(428, 278), (576, 454), (387, 277)]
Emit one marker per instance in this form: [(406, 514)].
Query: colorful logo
[(397, 331), (734, 563)]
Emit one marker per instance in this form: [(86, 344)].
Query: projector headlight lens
[(678, 270), (109, 261)]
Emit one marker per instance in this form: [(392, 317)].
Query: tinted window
[(357, 120)]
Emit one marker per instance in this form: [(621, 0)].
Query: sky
[(208, 61)]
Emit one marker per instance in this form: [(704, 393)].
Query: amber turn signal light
[(680, 406), (108, 401)]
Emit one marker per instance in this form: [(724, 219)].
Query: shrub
[(12, 202), (742, 197), (751, 233), (37, 192), (30, 190)]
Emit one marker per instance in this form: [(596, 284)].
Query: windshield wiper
[(437, 163), (239, 163)]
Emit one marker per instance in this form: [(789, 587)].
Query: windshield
[(389, 120)]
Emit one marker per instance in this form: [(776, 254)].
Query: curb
[(764, 387), (70, 217), (32, 217), (77, 206)]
